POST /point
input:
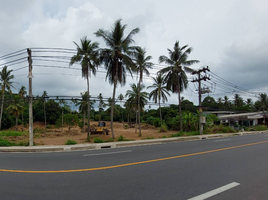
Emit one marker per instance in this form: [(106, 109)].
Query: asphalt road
[(181, 170)]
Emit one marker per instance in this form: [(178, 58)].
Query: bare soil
[(57, 136)]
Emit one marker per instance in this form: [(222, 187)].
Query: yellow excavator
[(101, 129)]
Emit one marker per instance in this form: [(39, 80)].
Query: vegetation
[(70, 142)]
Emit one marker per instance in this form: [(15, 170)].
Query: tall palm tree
[(102, 104), (16, 108), (83, 107), (44, 96), (160, 91), (175, 72), (117, 57), (142, 66), (88, 56), (263, 99), (22, 93), (136, 97), (6, 84), (121, 97)]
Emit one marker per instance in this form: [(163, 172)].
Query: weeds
[(70, 142)]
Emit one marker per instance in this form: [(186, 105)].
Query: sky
[(229, 36)]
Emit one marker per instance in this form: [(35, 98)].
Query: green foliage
[(148, 138), (4, 143), (70, 142), (49, 126), (70, 120), (11, 133), (126, 126), (219, 129), (122, 138), (39, 130), (98, 140), (155, 121), (163, 128), (257, 128)]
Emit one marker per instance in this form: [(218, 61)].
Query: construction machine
[(101, 129)]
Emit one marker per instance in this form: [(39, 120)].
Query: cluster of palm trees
[(120, 58)]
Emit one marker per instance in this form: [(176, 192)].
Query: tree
[(117, 57), (136, 96), (238, 101), (175, 72), (61, 102), (88, 56), (22, 93), (263, 99), (121, 97), (142, 66), (102, 105), (160, 91), (83, 107), (16, 108), (6, 83), (44, 96)]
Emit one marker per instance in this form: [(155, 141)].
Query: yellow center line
[(134, 163)]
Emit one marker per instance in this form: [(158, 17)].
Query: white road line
[(222, 140), (99, 154), (216, 191)]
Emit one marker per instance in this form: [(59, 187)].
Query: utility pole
[(203, 78), (30, 76)]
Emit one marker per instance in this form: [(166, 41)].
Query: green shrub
[(49, 126), (163, 128), (257, 128), (12, 133), (219, 129), (148, 138), (126, 126), (155, 121), (4, 143), (98, 140), (122, 138), (70, 142), (39, 130)]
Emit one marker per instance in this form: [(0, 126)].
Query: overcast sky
[(230, 36)]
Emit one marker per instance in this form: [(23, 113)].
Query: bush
[(219, 129), (155, 121), (126, 126), (98, 140), (12, 133), (4, 143), (257, 128), (39, 130), (122, 138), (70, 142), (163, 128)]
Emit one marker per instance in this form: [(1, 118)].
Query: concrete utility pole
[(198, 72), (30, 76)]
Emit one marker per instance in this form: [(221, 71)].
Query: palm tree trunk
[(139, 108), (160, 108), (88, 112), (179, 94), (16, 125), (84, 121), (112, 107), (2, 106), (113, 100), (45, 114), (62, 120)]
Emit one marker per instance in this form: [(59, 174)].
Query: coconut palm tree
[(121, 97), (22, 93), (6, 84), (160, 92), (136, 97), (117, 57), (175, 72), (83, 107), (263, 99), (16, 108), (88, 56), (142, 66), (44, 96)]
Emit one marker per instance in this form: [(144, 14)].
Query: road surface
[(220, 168)]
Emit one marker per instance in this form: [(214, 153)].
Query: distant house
[(245, 119)]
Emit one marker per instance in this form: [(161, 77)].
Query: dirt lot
[(55, 136)]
